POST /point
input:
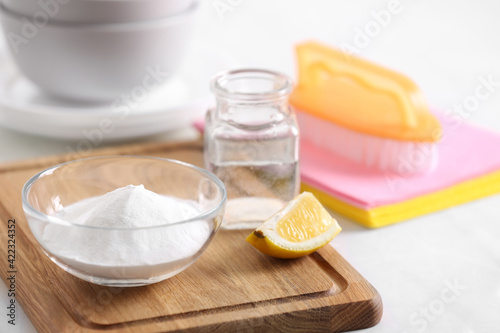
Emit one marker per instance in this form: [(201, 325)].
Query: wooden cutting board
[(231, 288)]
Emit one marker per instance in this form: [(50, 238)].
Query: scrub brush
[(363, 112)]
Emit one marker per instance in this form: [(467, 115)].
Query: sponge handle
[(312, 69)]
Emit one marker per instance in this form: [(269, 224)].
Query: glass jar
[(252, 144)]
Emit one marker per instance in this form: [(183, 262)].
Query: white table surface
[(445, 46)]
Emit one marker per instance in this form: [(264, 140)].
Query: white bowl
[(98, 62), (98, 11)]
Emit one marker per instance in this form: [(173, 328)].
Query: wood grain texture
[(231, 288)]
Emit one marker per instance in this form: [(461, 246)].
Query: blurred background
[(448, 48), (445, 47)]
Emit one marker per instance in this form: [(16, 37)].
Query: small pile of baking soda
[(110, 243)]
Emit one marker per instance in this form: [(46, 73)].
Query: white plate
[(176, 104)]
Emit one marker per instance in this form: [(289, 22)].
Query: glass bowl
[(114, 255)]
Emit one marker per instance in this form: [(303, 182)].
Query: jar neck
[(251, 98)]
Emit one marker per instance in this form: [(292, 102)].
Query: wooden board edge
[(126, 149), (356, 296)]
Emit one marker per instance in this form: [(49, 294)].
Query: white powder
[(124, 252)]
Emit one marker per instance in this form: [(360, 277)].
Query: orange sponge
[(365, 104)]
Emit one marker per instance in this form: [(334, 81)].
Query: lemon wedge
[(301, 227)]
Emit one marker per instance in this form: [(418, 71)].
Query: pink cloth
[(465, 152)]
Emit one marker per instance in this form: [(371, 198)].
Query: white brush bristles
[(402, 157)]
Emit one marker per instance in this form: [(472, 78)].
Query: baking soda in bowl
[(129, 233)]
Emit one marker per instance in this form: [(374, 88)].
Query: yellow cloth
[(385, 215)]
